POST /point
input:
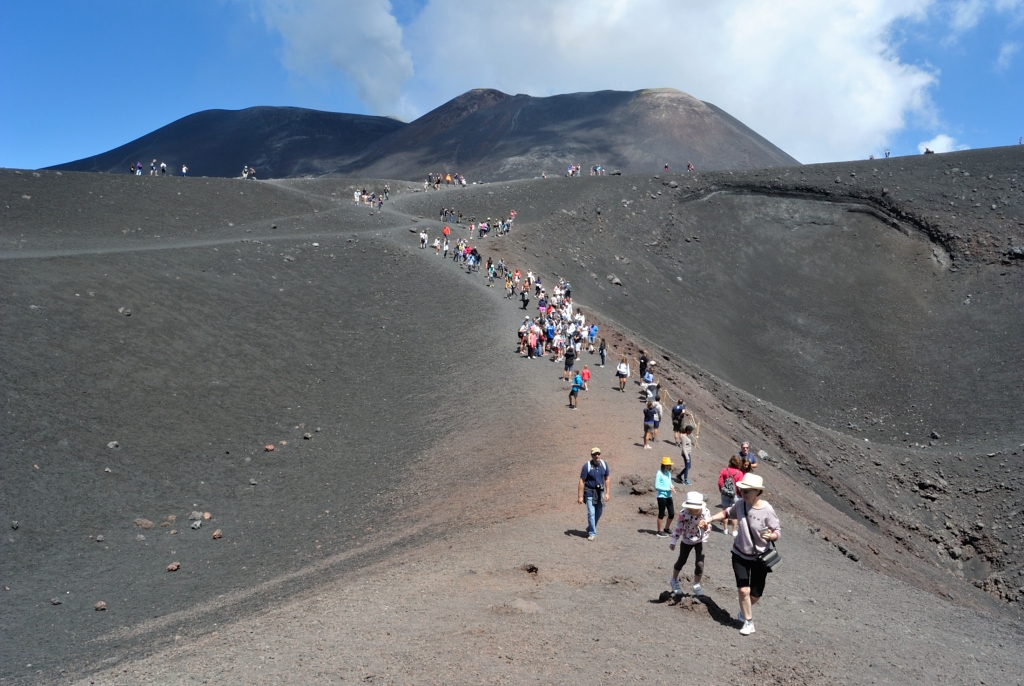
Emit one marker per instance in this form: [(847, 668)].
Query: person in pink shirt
[(585, 375)]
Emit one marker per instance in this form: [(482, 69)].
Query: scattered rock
[(140, 537), (125, 311), (195, 516), (648, 509), (530, 568), (55, 601), (614, 280), (935, 435), (307, 436), (112, 445), (107, 470), (196, 525), (143, 523), (15, 524), (217, 534), (762, 454), (100, 606), (100, 539), (269, 447), (252, 482), (173, 567), (207, 516), (673, 184)]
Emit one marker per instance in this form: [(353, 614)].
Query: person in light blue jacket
[(665, 489)]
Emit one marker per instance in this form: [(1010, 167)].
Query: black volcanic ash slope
[(487, 134), (277, 141)]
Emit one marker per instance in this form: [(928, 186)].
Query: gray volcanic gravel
[(393, 538)]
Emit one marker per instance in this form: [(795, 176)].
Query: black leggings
[(666, 504), (684, 553), (749, 573)]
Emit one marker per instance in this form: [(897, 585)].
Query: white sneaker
[(675, 586), (697, 590), (735, 533), (748, 628)]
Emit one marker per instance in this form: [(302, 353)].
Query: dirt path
[(466, 608)]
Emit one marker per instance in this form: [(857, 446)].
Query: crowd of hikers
[(556, 329), (155, 169)]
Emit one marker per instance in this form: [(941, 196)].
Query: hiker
[(760, 530), (602, 351), (691, 532), (585, 376), (678, 415), (423, 240), (658, 411), (574, 392), (687, 449), (664, 489), (746, 456), (184, 170), (622, 372), (643, 361), (595, 480), (163, 169), (649, 413), (570, 359), (727, 480)]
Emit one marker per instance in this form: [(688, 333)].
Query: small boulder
[(100, 606), (196, 525), (269, 447), (217, 534), (173, 567), (307, 436), (143, 523), (55, 601), (113, 444), (195, 516)]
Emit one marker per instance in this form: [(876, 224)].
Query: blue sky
[(823, 80)]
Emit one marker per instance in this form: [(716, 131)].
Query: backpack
[(729, 487)]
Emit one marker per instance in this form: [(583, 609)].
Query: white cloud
[(966, 14), (819, 79), (1006, 53), (358, 38), (941, 143)]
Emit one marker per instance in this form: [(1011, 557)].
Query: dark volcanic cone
[(277, 141), (487, 134)]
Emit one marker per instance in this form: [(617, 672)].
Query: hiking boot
[(697, 590), (748, 628), (676, 588)]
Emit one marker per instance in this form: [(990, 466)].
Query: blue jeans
[(595, 505)]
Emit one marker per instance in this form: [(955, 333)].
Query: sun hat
[(595, 451), (694, 500), (751, 482), (666, 461)]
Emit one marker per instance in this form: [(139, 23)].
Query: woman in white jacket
[(622, 371)]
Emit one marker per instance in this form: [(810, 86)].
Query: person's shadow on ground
[(715, 611), (576, 532)]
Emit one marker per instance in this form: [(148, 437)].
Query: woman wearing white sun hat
[(692, 527), (758, 528)]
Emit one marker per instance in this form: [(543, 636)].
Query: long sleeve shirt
[(663, 483), (748, 544), (686, 528)]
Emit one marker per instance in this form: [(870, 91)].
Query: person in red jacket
[(727, 480)]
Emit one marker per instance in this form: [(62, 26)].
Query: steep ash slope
[(859, 296)]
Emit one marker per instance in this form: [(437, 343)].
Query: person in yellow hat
[(665, 489)]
